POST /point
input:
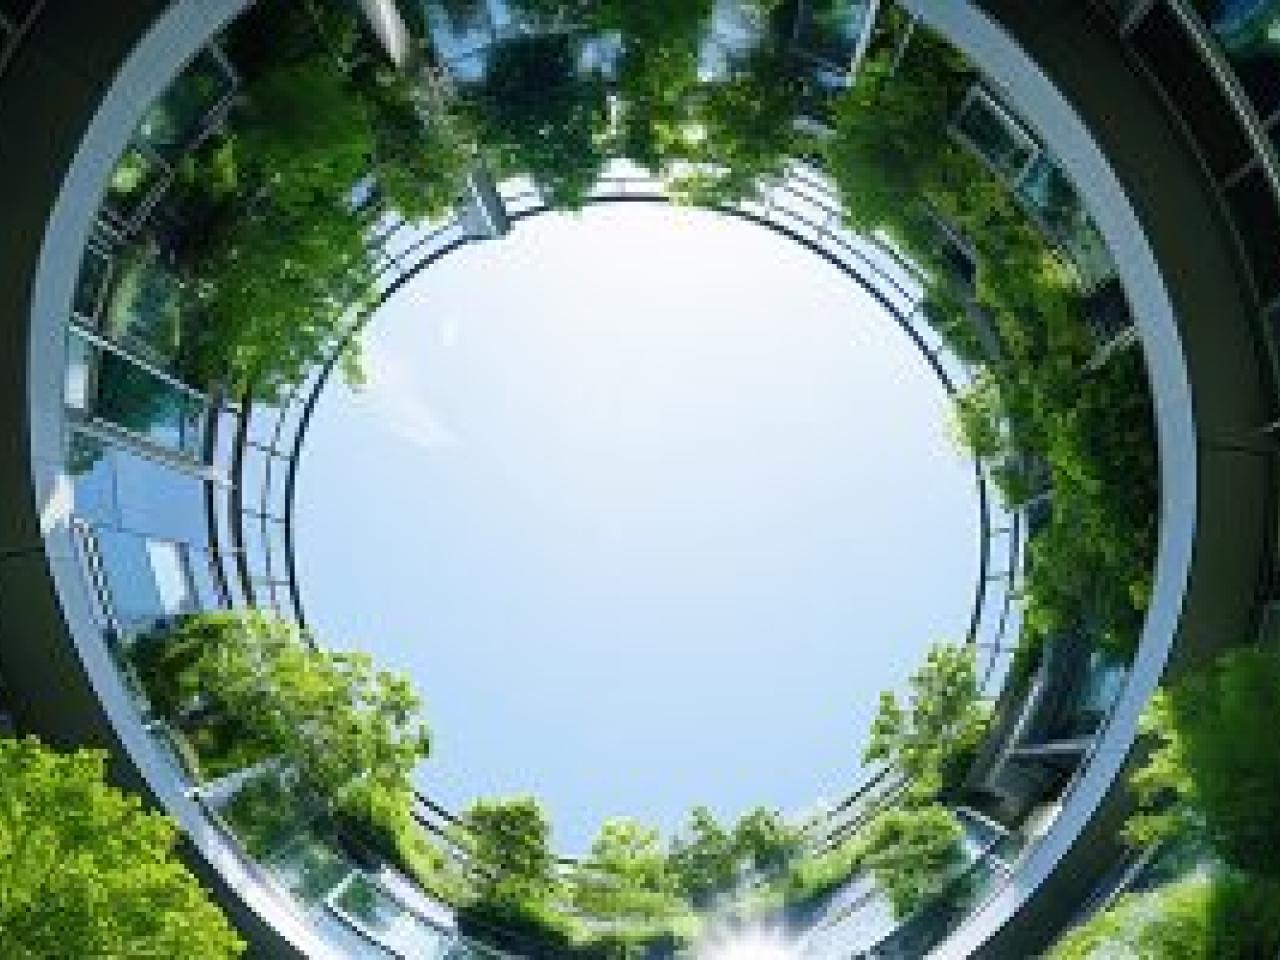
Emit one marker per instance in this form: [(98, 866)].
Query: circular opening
[(651, 503)]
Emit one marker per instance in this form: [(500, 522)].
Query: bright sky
[(651, 504)]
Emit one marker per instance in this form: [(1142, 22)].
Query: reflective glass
[(77, 383), (207, 594), (1249, 34), (1056, 204), (995, 135), (178, 117), (157, 499), (369, 906), (136, 178), (91, 283), (93, 480), (137, 599), (131, 397), (145, 305)]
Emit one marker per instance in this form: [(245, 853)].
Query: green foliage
[(1215, 770), (704, 859), (511, 864), (85, 872), (911, 851), (535, 115), (284, 258), (901, 174), (931, 737), (1224, 917), (420, 156), (626, 875), (765, 842), (747, 129), (248, 684)]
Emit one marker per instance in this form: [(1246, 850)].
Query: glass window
[(180, 115), (995, 134), (373, 909), (136, 179), (1249, 33), (93, 480), (145, 305), (207, 594), (1055, 203), (78, 380), (147, 579), (133, 398), (91, 284), (159, 500)]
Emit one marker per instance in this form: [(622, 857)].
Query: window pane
[(1059, 208), (995, 135), (91, 284), (159, 500), (134, 180), (145, 305), (135, 399), (93, 480), (180, 114)]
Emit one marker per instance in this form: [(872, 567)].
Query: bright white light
[(753, 945)]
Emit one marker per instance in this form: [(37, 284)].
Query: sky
[(651, 504)]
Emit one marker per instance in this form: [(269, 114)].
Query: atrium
[(1064, 216)]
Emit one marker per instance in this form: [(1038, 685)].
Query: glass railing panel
[(365, 903)]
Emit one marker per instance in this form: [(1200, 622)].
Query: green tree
[(511, 863), (931, 737), (85, 872), (703, 859), (911, 851), (747, 131), (1223, 917), (535, 115), (248, 688), (626, 875), (765, 842), (1215, 769), (279, 266), (421, 152)]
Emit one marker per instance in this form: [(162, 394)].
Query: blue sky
[(651, 503)]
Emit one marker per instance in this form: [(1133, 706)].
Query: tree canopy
[(86, 872), (933, 735), (247, 688), (1205, 917), (1215, 769)]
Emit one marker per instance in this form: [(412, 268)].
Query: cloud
[(395, 394)]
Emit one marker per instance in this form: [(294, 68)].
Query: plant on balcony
[(1206, 917), (1215, 770), (85, 872), (912, 851), (900, 173), (626, 875), (535, 114), (247, 690), (932, 736)]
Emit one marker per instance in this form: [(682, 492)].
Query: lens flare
[(752, 945)]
